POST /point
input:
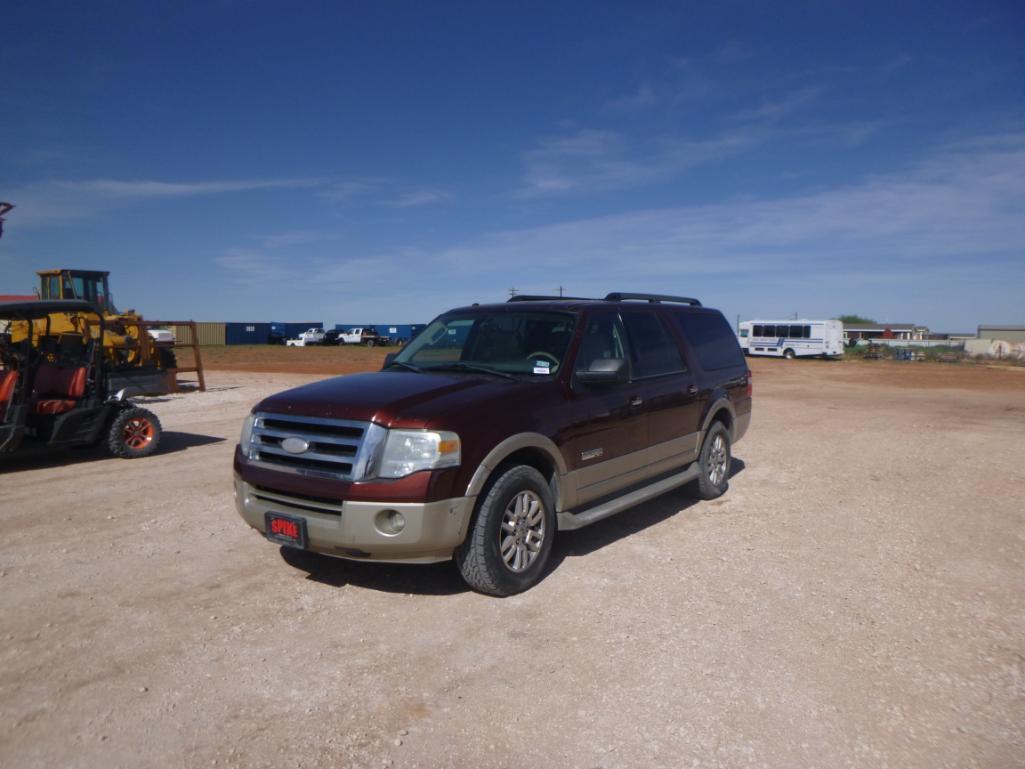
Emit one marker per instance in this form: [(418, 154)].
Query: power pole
[(513, 292), (4, 208), (560, 290)]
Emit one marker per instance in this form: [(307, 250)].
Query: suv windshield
[(509, 342)]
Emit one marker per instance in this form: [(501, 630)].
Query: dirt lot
[(857, 599)]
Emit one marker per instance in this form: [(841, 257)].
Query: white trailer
[(792, 338), (307, 338)]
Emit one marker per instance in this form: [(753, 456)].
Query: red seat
[(7, 381), (57, 389)]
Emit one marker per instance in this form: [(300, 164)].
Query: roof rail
[(539, 298), (618, 296)]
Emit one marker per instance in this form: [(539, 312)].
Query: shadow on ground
[(444, 578), (429, 579), (630, 521), (171, 442)]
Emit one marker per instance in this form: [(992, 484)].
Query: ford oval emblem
[(295, 445)]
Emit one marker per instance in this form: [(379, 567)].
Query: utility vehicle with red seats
[(57, 389)]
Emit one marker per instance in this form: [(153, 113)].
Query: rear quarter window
[(711, 338)]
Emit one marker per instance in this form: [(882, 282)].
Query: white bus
[(792, 338)]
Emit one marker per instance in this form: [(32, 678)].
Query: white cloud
[(591, 160), (642, 98), (297, 238), (384, 192), (957, 214), (415, 198), (774, 109), (61, 201), (143, 189)]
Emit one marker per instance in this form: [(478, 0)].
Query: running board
[(570, 521)]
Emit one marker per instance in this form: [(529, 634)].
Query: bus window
[(807, 332), (796, 332), (759, 330), (743, 333)]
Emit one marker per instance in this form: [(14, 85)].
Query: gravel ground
[(857, 599)]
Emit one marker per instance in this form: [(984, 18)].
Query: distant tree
[(854, 319)]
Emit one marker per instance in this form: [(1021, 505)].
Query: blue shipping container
[(246, 333)]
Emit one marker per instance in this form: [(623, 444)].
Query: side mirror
[(604, 371), (388, 359)]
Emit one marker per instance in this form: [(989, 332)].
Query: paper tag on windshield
[(542, 367)]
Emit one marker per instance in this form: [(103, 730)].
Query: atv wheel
[(134, 433)]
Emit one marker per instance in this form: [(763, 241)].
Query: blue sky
[(383, 162)]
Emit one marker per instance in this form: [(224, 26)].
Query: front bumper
[(346, 529)]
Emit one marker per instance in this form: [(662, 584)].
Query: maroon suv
[(497, 426)]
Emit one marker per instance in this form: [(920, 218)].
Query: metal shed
[(1012, 334), (208, 334)]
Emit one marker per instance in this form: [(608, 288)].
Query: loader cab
[(83, 285)]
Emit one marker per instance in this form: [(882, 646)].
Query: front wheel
[(508, 545), (788, 354), (715, 464), (134, 433)]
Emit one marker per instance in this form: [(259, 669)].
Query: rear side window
[(711, 338), (653, 350)]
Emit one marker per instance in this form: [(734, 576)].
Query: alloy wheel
[(522, 531)]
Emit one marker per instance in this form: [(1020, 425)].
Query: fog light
[(389, 522)]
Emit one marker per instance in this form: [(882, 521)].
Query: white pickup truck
[(361, 335), (309, 337)]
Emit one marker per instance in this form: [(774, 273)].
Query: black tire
[(788, 354), (480, 557), (166, 358), (134, 433), (715, 468)]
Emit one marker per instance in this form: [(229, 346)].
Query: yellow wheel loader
[(143, 365)]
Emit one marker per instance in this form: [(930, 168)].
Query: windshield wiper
[(405, 365), (464, 366)]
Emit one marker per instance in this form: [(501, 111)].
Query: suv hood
[(393, 398)]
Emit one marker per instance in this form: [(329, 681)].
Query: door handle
[(637, 400)]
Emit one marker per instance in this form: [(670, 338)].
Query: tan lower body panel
[(589, 483)]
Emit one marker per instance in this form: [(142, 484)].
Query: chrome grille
[(335, 448)]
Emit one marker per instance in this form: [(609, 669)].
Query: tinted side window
[(759, 330), (796, 332), (653, 350), (711, 338), (602, 340)]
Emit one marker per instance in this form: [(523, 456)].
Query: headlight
[(245, 441), (407, 451)]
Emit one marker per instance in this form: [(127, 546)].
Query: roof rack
[(619, 296), (616, 296), (539, 298)]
